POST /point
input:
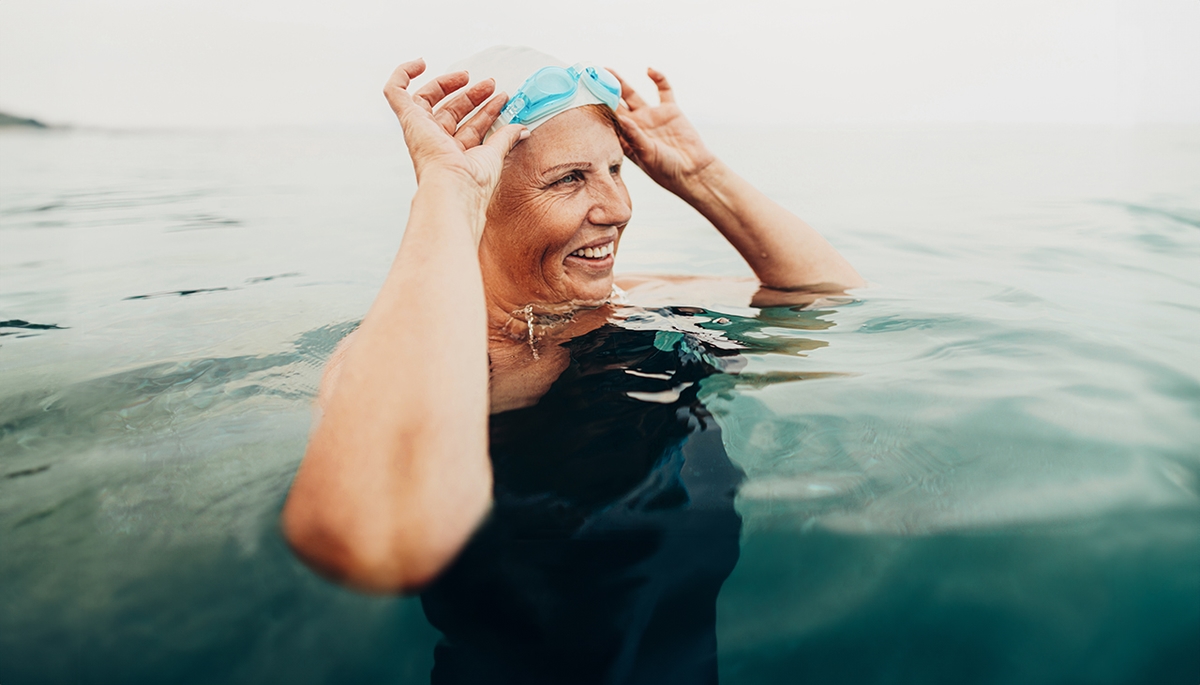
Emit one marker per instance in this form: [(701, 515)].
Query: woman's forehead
[(572, 136)]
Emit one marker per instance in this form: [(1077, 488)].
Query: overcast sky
[(301, 62)]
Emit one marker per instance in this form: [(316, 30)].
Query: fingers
[(630, 95), (433, 92), (635, 139), (471, 133), (626, 148), (504, 140), (454, 109), (396, 88), (665, 94)]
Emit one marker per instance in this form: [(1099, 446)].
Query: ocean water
[(985, 467)]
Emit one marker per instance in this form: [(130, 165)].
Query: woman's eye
[(570, 178), (615, 170)]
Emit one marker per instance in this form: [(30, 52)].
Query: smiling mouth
[(596, 253)]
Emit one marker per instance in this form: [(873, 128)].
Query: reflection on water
[(984, 468)]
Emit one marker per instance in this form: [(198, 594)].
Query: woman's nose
[(610, 204)]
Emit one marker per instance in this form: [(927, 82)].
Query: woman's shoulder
[(717, 292), (660, 290)]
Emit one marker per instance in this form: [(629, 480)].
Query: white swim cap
[(511, 66)]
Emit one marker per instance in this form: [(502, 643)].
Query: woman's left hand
[(784, 252), (660, 139)]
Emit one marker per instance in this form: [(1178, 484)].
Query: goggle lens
[(552, 82), (605, 78), (549, 87)]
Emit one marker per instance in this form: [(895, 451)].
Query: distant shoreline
[(7, 120)]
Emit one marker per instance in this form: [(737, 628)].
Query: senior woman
[(502, 436)]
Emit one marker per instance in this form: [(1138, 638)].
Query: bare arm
[(396, 475), (784, 252)]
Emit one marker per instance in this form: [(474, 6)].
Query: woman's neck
[(525, 352), (535, 324)]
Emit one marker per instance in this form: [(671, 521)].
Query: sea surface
[(982, 468)]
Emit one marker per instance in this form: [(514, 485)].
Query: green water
[(990, 471)]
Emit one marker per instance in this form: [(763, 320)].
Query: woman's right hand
[(438, 145)]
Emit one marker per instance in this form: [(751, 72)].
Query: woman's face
[(556, 218)]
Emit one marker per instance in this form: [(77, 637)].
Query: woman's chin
[(588, 280), (593, 292)]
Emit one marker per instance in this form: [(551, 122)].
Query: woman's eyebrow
[(567, 166)]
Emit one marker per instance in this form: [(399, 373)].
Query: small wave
[(27, 472), (179, 293), (163, 395), (195, 291), (20, 323), (199, 222), (264, 279), (22, 327), (102, 200), (1186, 217)]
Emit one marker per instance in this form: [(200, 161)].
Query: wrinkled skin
[(560, 190)]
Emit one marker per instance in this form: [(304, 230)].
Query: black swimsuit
[(612, 531)]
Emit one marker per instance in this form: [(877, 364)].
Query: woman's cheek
[(558, 227)]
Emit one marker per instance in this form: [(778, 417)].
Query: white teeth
[(594, 252)]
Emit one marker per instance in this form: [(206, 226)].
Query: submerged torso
[(612, 530)]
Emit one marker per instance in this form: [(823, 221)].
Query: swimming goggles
[(552, 89)]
